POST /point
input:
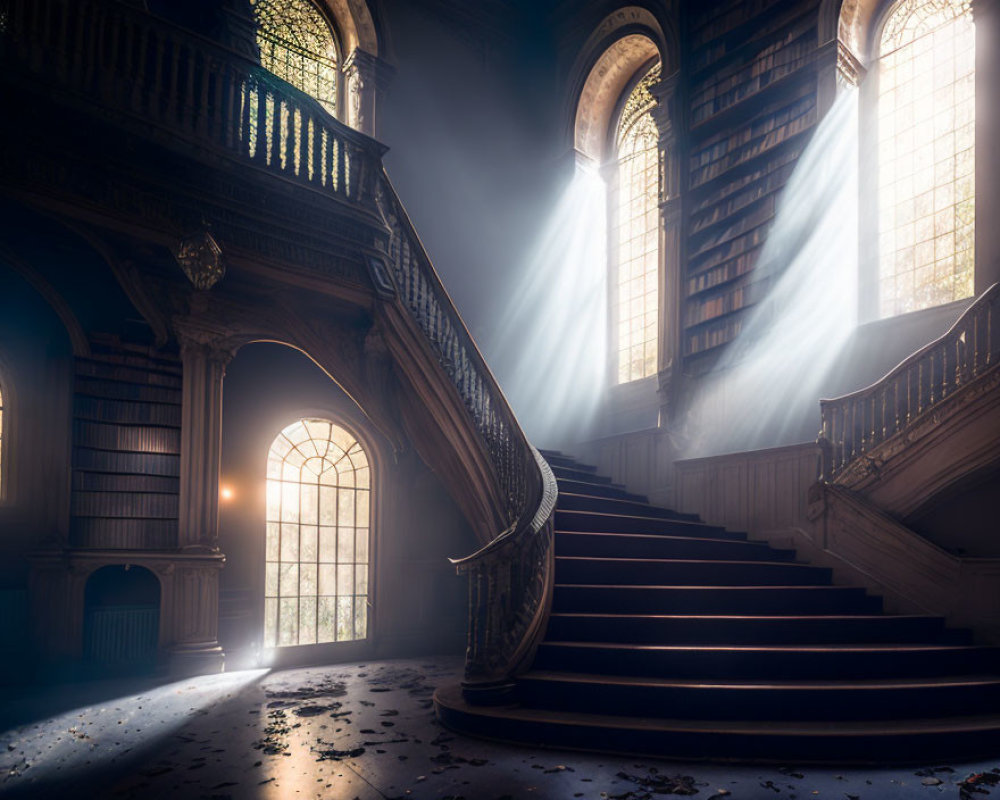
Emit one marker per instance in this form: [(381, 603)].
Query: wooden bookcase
[(752, 108)]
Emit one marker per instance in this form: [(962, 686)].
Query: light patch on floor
[(363, 731)]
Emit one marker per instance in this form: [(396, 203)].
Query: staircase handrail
[(854, 424), (511, 577)]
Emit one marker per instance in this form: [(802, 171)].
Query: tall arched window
[(926, 152), (635, 233), (317, 546), (298, 45)]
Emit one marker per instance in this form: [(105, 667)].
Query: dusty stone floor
[(363, 731)]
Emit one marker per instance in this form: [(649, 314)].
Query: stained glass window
[(298, 45), (926, 142), (635, 233), (317, 536)]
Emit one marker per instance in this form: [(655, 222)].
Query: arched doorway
[(121, 619), (317, 536)]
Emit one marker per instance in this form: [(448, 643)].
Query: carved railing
[(179, 88), (510, 579), (184, 88), (857, 423)]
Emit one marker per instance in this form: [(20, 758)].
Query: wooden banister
[(857, 423)]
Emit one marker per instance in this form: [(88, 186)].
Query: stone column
[(986, 14), (366, 77), (671, 266), (204, 366), (195, 613)]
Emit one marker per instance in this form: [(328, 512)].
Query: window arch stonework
[(317, 536), (919, 132)]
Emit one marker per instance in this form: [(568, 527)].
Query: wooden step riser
[(568, 462), (579, 475), (758, 745), (764, 703), (721, 630), (784, 602), (626, 546), (610, 523), (604, 505), (613, 491), (764, 665), (687, 573)]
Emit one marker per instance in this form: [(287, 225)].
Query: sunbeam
[(766, 389), (555, 334)]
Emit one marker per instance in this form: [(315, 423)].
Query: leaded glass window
[(298, 45), (635, 234), (926, 152), (317, 536)]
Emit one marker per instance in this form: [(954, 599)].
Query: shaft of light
[(553, 342), (765, 391)]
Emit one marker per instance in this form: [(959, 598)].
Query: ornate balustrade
[(857, 423), (510, 579), (184, 88), (180, 89)]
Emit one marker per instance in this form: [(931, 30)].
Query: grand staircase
[(671, 637)]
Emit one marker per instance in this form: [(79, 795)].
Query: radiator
[(121, 635)]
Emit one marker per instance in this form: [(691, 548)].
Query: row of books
[(720, 20), (744, 191), (722, 143), (712, 336), (709, 49), (754, 140), (126, 450), (718, 275), (762, 213), (750, 80), (734, 300), (734, 247)]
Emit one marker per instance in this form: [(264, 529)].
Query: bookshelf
[(126, 448), (753, 106)]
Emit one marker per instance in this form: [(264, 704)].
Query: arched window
[(926, 153), (298, 45), (318, 515), (635, 233)]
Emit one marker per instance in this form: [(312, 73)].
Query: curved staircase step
[(855, 661), (696, 698), (633, 599), (613, 490), (709, 629), (639, 545), (585, 475), (624, 523), (916, 739), (569, 501), (688, 572)]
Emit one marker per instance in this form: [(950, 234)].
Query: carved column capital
[(367, 76)]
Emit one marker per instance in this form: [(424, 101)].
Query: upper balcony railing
[(185, 88), (857, 423), (178, 87)]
